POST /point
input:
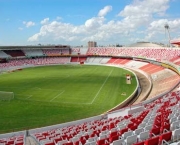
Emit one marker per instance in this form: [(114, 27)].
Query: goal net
[(6, 96)]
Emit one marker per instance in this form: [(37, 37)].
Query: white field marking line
[(13, 87), (56, 77), (56, 96), (101, 87), (36, 88), (74, 103), (29, 96)]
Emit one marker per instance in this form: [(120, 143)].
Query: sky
[(75, 22)]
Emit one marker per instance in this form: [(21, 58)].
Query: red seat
[(113, 134), (51, 143), (80, 142), (139, 143), (154, 131), (133, 128), (123, 131), (152, 141), (113, 138), (102, 141), (166, 136), (166, 127), (69, 143), (19, 143), (58, 139)]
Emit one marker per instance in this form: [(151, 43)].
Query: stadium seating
[(154, 125), (51, 52), (153, 53), (36, 61), (75, 51), (33, 52), (15, 140)]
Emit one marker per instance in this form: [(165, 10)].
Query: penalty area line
[(56, 96), (28, 96), (101, 87)]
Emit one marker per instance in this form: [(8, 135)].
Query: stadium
[(61, 95)]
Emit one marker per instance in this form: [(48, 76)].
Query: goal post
[(6, 96)]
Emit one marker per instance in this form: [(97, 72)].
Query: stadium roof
[(145, 44), (34, 47), (176, 41)]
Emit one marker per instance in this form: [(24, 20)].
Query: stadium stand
[(65, 51), (155, 121), (35, 61), (78, 59), (51, 52), (33, 52), (98, 60), (75, 51), (153, 53), (4, 55), (135, 64), (14, 53), (83, 51), (118, 61), (151, 68), (158, 122)]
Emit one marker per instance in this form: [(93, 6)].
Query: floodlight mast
[(166, 26)]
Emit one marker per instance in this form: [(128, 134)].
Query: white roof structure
[(145, 44)]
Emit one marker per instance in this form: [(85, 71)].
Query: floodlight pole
[(166, 26)]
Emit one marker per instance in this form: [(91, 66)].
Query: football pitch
[(51, 95)]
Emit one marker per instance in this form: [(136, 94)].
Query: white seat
[(142, 125), (62, 142), (178, 117), (121, 126), (143, 136), (138, 131), (175, 143), (126, 134), (118, 142), (148, 127), (173, 119), (45, 142), (92, 139), (175, 125), (103, 132), (113, 130), (103, 136), (74, 139), (176, 135), (90, 143), (131, 139)]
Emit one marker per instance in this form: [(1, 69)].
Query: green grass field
[(55, 94)]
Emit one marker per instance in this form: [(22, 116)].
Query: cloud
[(104, 11), (20, 28), (140, 20), (145, 8), (58, 18), (28, 24), (94, 23), (157, 27), (44, 21)]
